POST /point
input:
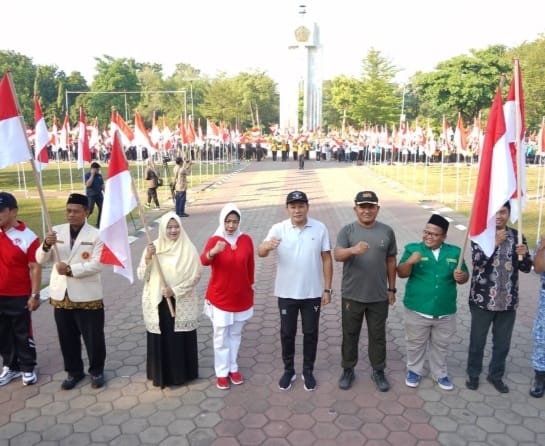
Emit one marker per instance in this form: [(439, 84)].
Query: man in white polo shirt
[(303, 282)]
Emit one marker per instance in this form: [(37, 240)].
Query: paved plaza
[(130, 411)]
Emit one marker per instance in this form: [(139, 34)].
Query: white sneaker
[(29, 378), (8, 375)]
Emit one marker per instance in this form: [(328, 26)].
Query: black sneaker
[(288, 377), (380, 380), (346, 379), (308, 380), (499, 385), (472, 382), (71, 381), (97, 381)]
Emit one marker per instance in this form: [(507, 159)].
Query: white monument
[(303, 72)]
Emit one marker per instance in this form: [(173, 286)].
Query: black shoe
[(71, 381), (472, 382), (499, 385), (380, 380), (287, 378), (309, 380), (346, 379), (538, 386), (184, 215), (97, 381)]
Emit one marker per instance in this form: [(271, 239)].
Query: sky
[(232, 36)]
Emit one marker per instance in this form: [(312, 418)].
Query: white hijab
[(220, 232)]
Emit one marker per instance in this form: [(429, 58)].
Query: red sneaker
[(236, 378), (222, 383)]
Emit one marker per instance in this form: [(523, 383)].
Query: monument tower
[(303, 74)]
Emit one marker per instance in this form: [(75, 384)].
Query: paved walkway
[(130, 411)]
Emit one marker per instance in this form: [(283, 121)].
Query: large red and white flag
[(141, 135), (118, 123), (514, 135), (14, 146), (119, 201), (496, 182), (84, 153), (41, 136)]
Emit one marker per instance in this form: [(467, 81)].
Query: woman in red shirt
[(230, 296)]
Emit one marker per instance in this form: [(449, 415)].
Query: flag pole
[(518, 132), (146, 230), (470, 219), (33, 164)]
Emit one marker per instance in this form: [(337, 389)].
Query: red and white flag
[(64, 141), (118, 123), (141, 135), (496, 181), (514, 123), (14, 146), (41, 136), (84, 153), (55, 135), (119, 201), (460, 139)]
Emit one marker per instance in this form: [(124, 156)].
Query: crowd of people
[(171, 267)]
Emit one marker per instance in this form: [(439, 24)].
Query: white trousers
[(226, 346)]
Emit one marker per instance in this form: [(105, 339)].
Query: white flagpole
[(518, 131)]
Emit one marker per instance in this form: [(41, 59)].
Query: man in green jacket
[(431, 267)]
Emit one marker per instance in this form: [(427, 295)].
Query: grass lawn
[(454, 186)]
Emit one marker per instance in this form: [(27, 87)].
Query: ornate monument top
[(302, 34)]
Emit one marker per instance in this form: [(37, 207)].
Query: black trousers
[(98, 200), (502, 323), (72, 325), (310, 318), (16, 342), (375, 314)]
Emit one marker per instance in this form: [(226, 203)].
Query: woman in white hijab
[(172, 357), (230, 296)]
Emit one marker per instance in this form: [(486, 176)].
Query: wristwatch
[(35, 296), (328, 290), (392, 290)]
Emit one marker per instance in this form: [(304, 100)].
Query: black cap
[(78, 199), (95, 165), (366, 196), (296, 195), (7, 201), (439, 221)]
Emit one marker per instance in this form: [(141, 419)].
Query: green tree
[(23, 73), (344, 99), (465, 84), (378, 99), (114, 75)]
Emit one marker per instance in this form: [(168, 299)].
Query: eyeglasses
[(431, 234)]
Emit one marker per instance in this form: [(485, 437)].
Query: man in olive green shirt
[(431, 267)]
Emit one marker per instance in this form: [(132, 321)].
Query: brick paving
[(130, 411)]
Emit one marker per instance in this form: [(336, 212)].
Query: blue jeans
[(180, 202), (502, 328)]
